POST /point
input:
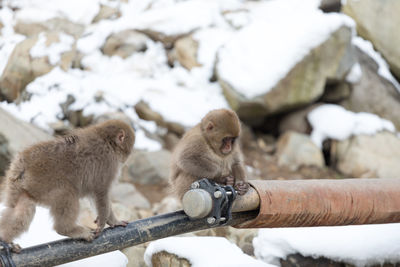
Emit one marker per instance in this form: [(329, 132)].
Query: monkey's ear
[(121, 136), (210, 126)]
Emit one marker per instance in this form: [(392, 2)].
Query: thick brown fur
[(57, 173), (199, 154)]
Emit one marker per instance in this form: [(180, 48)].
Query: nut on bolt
[(217, 194), (211, 220), (195, 185)]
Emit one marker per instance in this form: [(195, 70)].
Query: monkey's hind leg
[(65, 210), (16, 218)]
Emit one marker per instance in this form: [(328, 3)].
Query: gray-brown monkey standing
[(57, 173), (210, 150)]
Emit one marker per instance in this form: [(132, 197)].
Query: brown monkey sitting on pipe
[(209, 150)]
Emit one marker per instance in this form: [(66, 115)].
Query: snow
[(41, 231), (335, 122), (355, 74), (54, 50), (383, 67), (363, 245), (77, 11), (203, 251), (274, 44)]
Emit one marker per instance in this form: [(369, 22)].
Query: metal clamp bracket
[(209, 200)]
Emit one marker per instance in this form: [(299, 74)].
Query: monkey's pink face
[(227, 145)]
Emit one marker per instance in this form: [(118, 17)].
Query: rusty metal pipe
[(296, 203)]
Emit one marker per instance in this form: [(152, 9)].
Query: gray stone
[(166, 259), (21, 68), (303, 84), (107, 12), (30, 29), (297, 121), (378, 21), (373, 93), (295, 150), (366, 156), (149, 168), (15, 135), (185, 52), (125, 43), (127, 195)]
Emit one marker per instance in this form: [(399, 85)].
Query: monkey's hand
[(229, 180), (241, 187)]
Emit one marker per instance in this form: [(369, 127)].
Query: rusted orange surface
[(296, 203)]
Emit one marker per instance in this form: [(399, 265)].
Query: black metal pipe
[(137, 232)]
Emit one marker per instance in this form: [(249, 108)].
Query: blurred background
[(314, 82)]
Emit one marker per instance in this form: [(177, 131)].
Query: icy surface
[(41, 231), (359, 245), (274, 44), (203, 251), (335, 122), (383, 67)]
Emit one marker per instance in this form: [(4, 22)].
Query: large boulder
[(32, 29), (16, 135), (303, 84), (149, 168), (185, 52), (378, 21), (34, 57), (369, 156), (295, 150), (373, 93)]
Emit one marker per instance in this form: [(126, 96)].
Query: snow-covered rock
[(374, 156), (275, 64), (378, 22)]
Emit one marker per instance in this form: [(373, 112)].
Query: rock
[(185, 52), (30, 29), (297, 121), (166, 259), (135, 256), (298, 260), (127, 195), (5, 155), (149, 168), (19, 134), (295, 150), (22, 68), (374, 156), (373, 93), (303, 84), (336, 92), (107, 12), (330, 5), (381, 28), (125, 43), (75, 117), (146, 113)]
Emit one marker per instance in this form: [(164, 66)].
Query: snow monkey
[(209, 150), (57, 173)]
